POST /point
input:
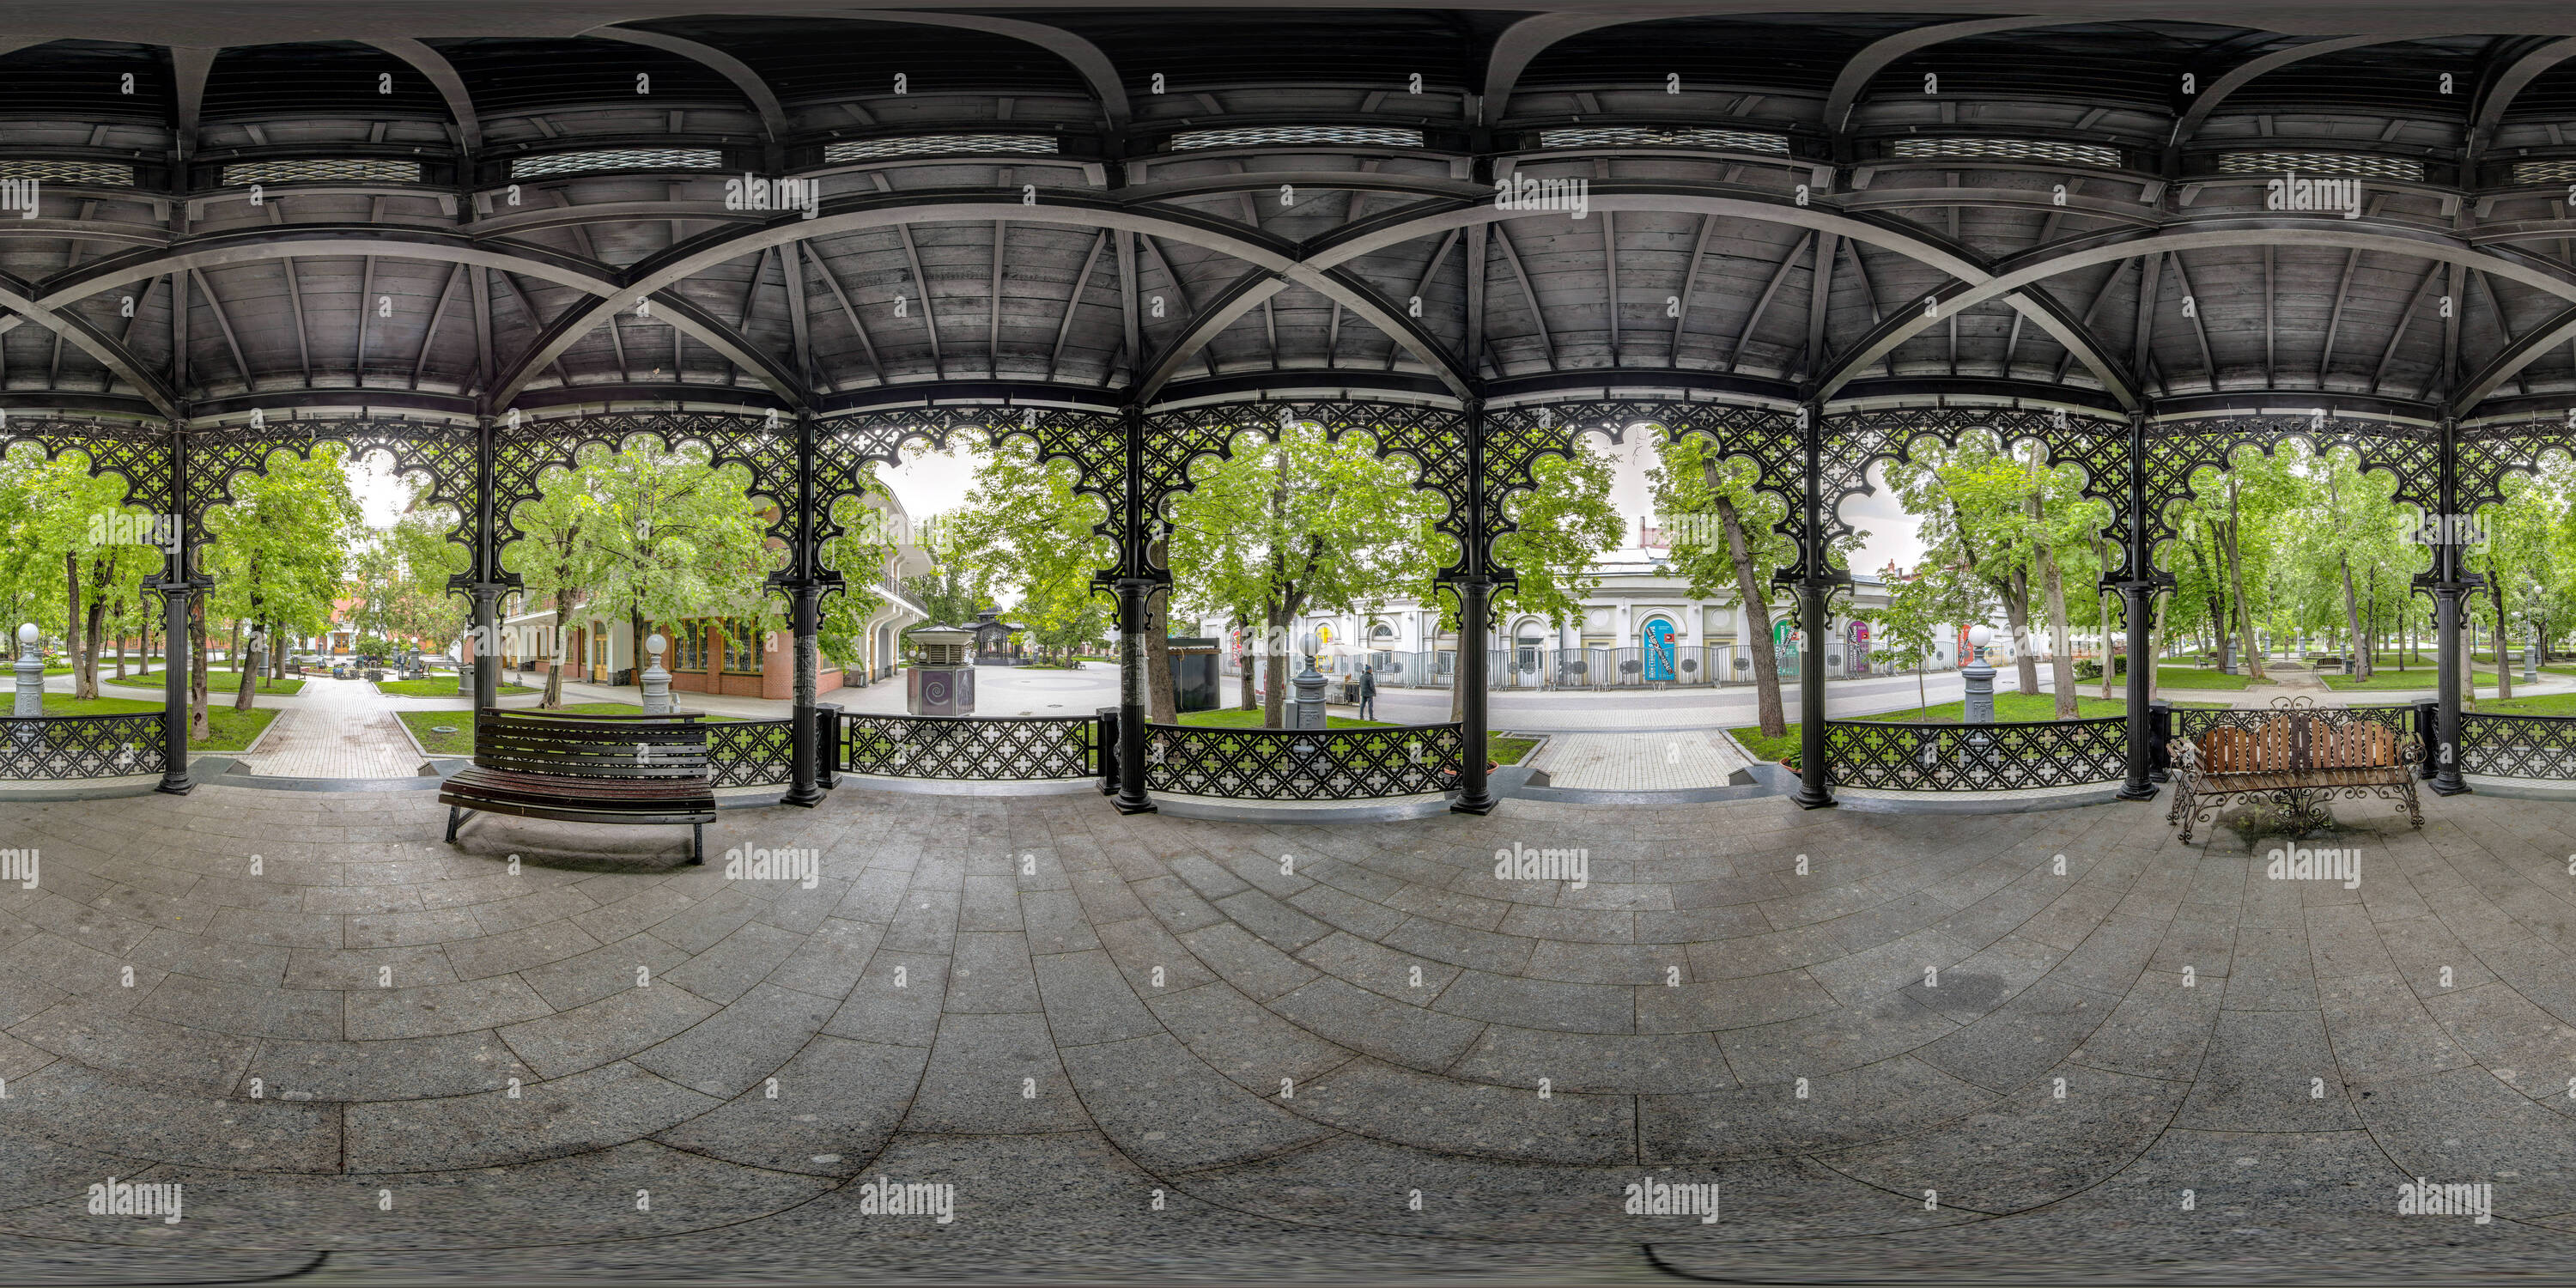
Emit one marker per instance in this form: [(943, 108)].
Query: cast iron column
[(178, 587), (2450, 581), (487, 587), (1475, 604), (1815, 589), (1135, 585), (804, 589), (2137, 598)]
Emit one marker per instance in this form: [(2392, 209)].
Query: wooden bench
[(588, 769), (2303, 757)]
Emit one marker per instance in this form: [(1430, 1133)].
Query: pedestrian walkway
[(334, 729), (1681, 760)]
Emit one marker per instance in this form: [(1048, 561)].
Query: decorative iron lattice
[(1855, 440), (1303, 764), (2047, 151), (2551, 170), (2357, 164), (98, 174), (751, 753), (1254, 136), (2518, 746), (242, 174), (546, 165), (1095, 442), (969, 748), (1639, 136), (2178, 449), (1975, 758), (441, 452), (2494, 449), (937, 145), (763, 444), (1433, 438), (138, 453), (60, 747)]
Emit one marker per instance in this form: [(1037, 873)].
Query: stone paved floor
[(1681, 760), (411, 1062), (335, 729)]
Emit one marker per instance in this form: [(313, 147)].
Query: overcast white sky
[(928, 483)]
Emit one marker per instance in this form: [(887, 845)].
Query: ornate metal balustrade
[(62, 747), (750, 753), (2185, 724), (972, 748), (1902, 757), (1303, 764), (2518, 746)]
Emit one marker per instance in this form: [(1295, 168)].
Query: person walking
[(1368, 693)]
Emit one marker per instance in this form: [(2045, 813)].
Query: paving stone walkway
[(1157, 1047), (335, 729), (1640, 762)]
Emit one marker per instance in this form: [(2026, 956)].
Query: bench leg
[(697, 844), (452, 812)]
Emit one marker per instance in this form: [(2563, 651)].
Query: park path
[(335, 729), (1639, 762)]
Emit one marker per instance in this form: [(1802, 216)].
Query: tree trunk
[(72, 629), (197, 715), (2016, 597), (1274, 669), (2503, 664), (553, 699), (2235, 555), (120, 639), (1160, 704), (1757, 618), (1251, 659), (2061, 666)]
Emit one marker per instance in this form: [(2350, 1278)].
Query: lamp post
[(1978, 679), (31, 676)]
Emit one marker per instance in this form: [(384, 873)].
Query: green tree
[(279, 555), (1727, 547)]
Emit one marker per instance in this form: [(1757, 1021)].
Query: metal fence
[(970, 748), (2168, 724), (63, 747), (1594, 669), (2518, 746), (1303, 764), (1907, 757), (751, 753)]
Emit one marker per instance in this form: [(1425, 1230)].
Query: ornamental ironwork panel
[(2178, 449), (968, 748), (1433, 438), (138, 453), (1515, 439), (59, 747), (2492, 450), (1303, 764), (1902, 757), (763, 444), (1767, 436), (441, 452), (1856, 440), (2518, 746), (750, 753)]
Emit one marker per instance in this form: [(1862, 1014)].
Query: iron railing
[(1303, 764), (750, 753), (2518, 746), (1907, 757), (61, 747), (2168, 724), (973, 748)]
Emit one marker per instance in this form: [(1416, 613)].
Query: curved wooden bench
[(588, 769), (2296, 756)]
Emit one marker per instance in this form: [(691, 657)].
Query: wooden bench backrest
[(591, 746), (2293, 742)]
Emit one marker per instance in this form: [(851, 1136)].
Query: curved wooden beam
[(1522, 43), (2497, 96), (773, 118), (2208, 100), (1086, 58), (20, 298), (1883, 53), (442, 75)]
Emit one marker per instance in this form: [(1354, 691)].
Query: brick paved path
[(335, 729)]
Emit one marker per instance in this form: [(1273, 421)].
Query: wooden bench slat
[(582, 767)]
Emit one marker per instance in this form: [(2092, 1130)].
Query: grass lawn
[(226, 729), (222, 684), (2547, 704), (2420, 678), (1502, 749), (435, 687), (2010, 708), (461, 742), (2193, 677)]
